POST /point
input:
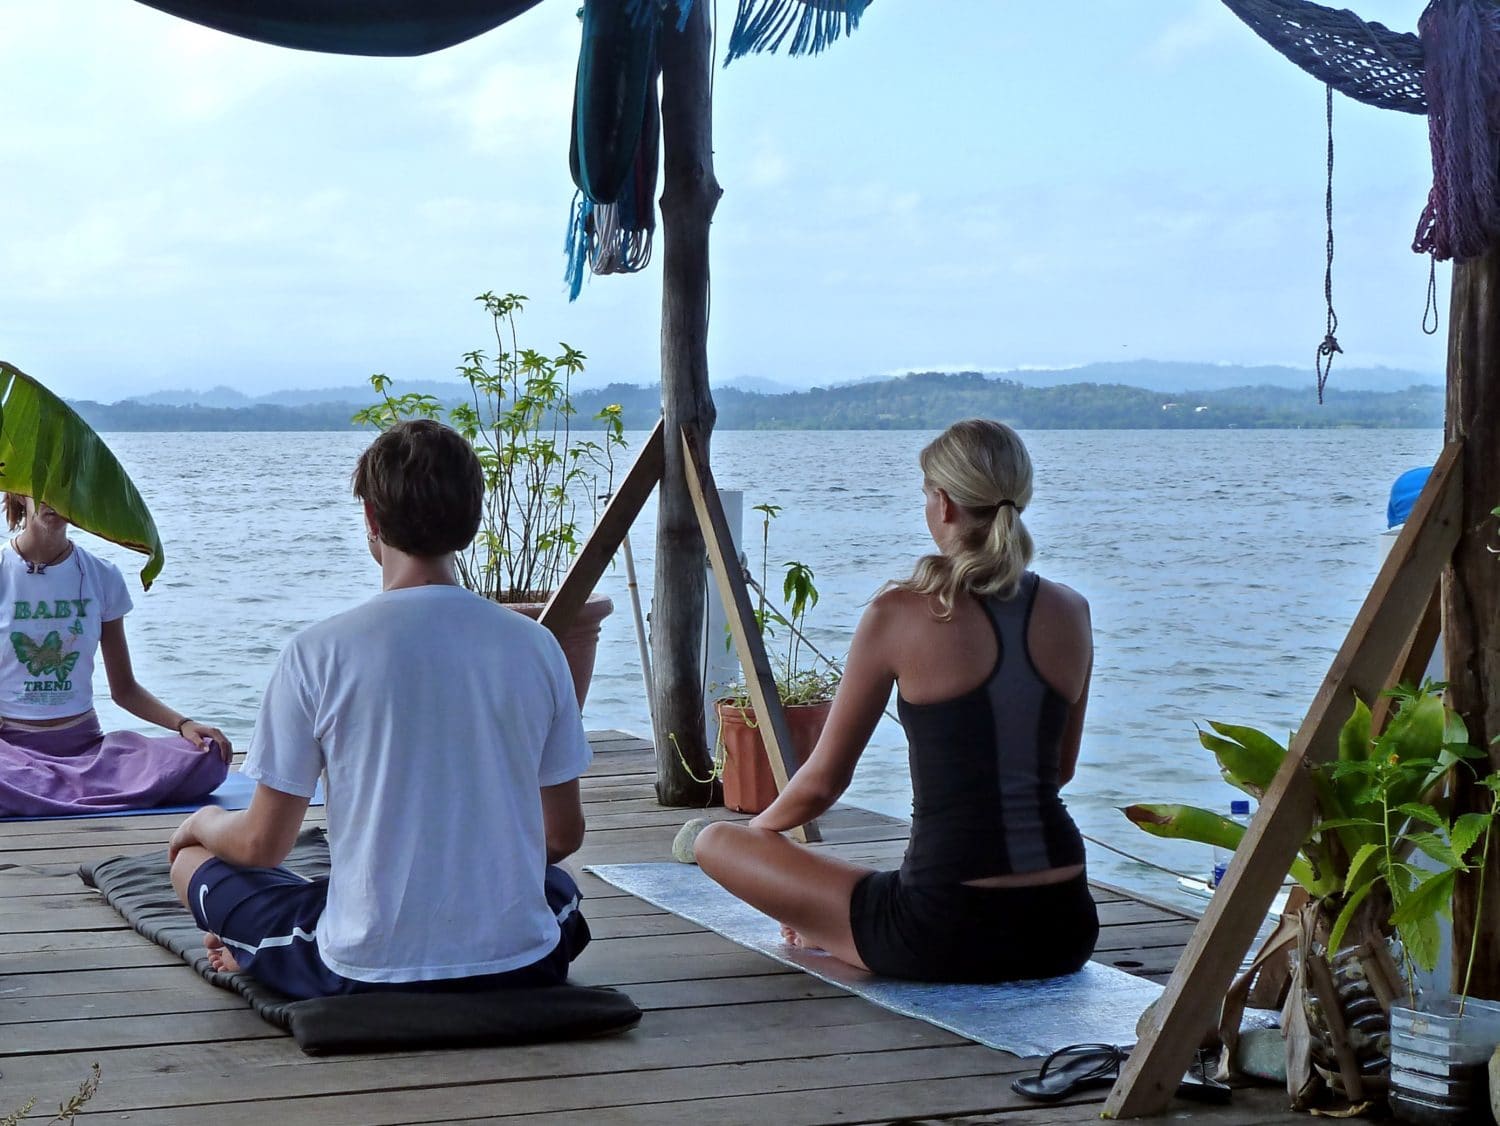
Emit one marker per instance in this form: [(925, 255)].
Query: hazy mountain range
[(1147, 374), (916, 401)]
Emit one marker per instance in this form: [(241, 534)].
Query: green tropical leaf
[(1325, 824), (1191, 823), (1354, 736), (1420, 936), (1455, 730), (1361, 860), (1434, 846), (1352, 771), (49, 453), (1427, 900), (1248, 759), (1416, 730), (1467, 830), (1346, 916), (1417, 811)]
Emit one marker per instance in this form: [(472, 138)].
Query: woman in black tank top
[(991, 663)]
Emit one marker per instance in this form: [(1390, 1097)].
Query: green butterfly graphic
[(46, 657)]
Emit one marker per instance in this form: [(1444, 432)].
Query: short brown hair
[(424, 485), (15, 510)]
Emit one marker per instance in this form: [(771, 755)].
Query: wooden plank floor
[(729, 1036)]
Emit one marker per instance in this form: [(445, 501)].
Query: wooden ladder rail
[(751, 650)]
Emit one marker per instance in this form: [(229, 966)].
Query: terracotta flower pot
[(749, 785), (580, 641)]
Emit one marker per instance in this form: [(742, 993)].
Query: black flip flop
[(1078, 1067), (1081, 1067)]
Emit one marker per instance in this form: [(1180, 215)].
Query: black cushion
[(140, 889)]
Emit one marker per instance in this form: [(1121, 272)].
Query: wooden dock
[(729, 1036)]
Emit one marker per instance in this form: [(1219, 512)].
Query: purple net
[(1462, 216)]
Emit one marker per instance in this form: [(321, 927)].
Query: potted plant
[(1370, 916), (518, 414), (1441, 1043), (805, 687)]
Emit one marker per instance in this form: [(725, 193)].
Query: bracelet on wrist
[(181, 723)]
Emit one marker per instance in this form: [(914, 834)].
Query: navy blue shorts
[(268, 919)]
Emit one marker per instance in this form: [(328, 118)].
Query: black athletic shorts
[(955, 932)]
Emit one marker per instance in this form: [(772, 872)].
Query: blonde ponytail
[(983, 467)]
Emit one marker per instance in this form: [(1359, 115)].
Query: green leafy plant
[(1398, 812), (519, 418), (798, 680), (1381, 801)]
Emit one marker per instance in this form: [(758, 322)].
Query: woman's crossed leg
[(808, 892)]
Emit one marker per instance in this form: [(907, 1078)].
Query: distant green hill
[(920, 401)]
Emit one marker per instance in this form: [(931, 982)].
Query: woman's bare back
[(936, 660)]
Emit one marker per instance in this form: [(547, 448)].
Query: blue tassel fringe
[(812, 25), (576, 245)]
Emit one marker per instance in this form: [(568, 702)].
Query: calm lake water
[(1223, 569)]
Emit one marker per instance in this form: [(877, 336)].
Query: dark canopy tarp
[(350, 27)]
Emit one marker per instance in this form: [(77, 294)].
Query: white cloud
[(768, 167), (1209, 25), (509, 91), (195, 75)]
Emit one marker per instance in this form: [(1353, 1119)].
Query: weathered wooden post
[(1471, 586), (689, 195)]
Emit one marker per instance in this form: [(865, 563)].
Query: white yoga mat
[(1025, 1018)]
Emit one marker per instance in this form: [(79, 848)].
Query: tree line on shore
[(920, 401)]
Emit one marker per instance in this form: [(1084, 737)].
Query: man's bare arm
[(257, 837), (562, 819)]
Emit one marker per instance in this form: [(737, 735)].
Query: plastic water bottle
[(1239, 811)]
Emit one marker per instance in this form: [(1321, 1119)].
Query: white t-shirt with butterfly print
[(52, 618)]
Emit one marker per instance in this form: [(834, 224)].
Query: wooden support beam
[(1414, 659), (769, 717), (1471, 597), (592, 559), (1383, 626), (689, 195)]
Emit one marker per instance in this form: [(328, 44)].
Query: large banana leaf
[(1248, 759), (50, 454), (1193, 823)]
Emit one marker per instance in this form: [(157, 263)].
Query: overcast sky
[(963, 183)]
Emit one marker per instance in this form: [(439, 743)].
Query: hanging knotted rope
[(1430, 309), (1462, 41), (1330, 345)]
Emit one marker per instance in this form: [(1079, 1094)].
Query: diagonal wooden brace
[(771, 720), (1381, 631), (592, 559)]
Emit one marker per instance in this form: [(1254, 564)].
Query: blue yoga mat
[(1025, 1018), (234, 792)]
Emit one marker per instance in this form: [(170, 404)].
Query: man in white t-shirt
[(447, 733)]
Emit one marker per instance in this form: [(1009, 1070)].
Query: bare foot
[(792, 938), (219, 956)]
